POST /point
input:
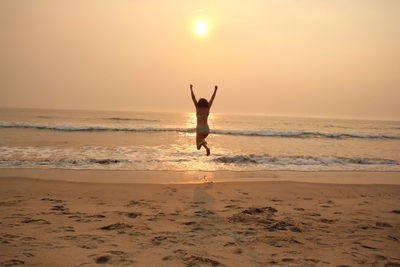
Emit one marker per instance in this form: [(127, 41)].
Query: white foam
[(306, 134), (262, 133), (302, 160), (62, 163), (182, 158)]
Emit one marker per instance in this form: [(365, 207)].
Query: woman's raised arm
[(213, 96), (193, 96)]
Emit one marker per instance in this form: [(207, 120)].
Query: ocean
[(153, 141)]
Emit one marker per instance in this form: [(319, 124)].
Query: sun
[(200, 27)]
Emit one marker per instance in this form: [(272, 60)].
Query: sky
[(320, 58)]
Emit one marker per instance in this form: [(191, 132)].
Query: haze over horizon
[(291, 57)]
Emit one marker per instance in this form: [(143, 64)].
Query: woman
[(202, 112)]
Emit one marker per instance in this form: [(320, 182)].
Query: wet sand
[(184, 177), (270, 223)]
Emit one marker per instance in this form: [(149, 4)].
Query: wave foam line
[(302, 160), (261, 133), (306, 134), (78, 162), (128, 119), (88, 128), (280, 160)]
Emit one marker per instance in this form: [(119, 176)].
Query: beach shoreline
[(274, 223), (183, 177)]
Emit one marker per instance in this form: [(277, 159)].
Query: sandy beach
[(58, 223), (199, 133)]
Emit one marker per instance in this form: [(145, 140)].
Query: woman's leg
[(206, 147), (201, 141)]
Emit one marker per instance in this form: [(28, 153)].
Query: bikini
[(204, 128)]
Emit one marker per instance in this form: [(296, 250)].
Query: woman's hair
[(203, 103)]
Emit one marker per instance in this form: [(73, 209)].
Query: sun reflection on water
[(191, 120), (190, 123)]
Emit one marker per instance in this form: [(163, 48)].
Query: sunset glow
[(301, 58), (206, 132), (200, 27)]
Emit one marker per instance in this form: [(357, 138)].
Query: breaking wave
[(64, 163), (261, 133), (128, 119), (302, 160), (151, 162), (306, 134)]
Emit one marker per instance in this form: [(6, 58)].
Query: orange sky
[(288, 57)]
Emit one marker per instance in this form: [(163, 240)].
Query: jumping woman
[(202, 112)]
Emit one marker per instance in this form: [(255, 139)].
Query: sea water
[(120, 140)]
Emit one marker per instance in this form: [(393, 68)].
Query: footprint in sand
[(383, 224), (132, 215), (204, 213), (284, 242), (116, 259), (189, 223), (231, 207), (10, 203), (170, 190), (133, 203), (313, 214), (197, 228), (84, 241), (116, 226), (61, 208), (103, 259), (63, 229), (329, 221), (139, 203), (12, 262), (53, 200), (83, 220), (157, 240), (35, 221), (175, 213), (96, 216), (229, 244), (237, 251), (295, 229), (28, 255), (369, 247), (88, 246), (367, 227), (191, 260)]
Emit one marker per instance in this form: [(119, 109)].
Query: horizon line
[(348, 117)]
